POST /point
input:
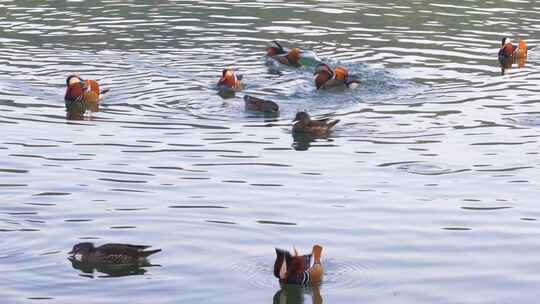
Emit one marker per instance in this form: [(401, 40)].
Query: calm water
[(425, 193)]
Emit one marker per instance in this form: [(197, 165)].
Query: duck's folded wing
[(124, 249), (318, 123)]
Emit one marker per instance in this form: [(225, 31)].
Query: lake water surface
[(425, 193)]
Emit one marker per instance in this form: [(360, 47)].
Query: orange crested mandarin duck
[(326, 78), (78, 89), (299, 269), (318, 127), (230, 81), (278, 53), (509, 51)]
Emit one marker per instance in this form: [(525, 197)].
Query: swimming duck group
[(82, 95), (289, 268)]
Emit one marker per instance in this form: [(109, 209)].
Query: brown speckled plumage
[(112, 253), (304, 124)]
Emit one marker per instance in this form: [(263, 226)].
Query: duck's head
[(82, 248), (71, 79), (294, 55), (301, 116), (322, 74), (274, 48), (228, 78), (505, 41)]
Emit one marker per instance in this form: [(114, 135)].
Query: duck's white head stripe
[(305, 280)]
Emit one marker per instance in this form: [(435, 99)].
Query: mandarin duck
[(230, 81), (260, 105), (111, 253), (299, 269), (317, 127), (293, 57), (509, 53), (509, 50), (326, 78), (82, 94), (276, 52)]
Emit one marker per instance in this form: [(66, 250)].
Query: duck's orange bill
[(317, 252)]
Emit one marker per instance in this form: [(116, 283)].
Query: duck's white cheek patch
[(78, 257)]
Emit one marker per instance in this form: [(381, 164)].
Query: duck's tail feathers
[(332, 123), (353, 84), (150, 252), (317, 252)]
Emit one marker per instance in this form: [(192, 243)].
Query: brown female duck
[(260, 105), (304, 124), (111, 253)]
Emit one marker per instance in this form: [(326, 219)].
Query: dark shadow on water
[(302, 141), (76, 110), (295, 294), (226, 93), (506, 63), (88, 269)]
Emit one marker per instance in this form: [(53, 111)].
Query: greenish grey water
[(425, 193)]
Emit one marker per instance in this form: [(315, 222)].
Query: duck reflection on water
[(295, 294), (89, 269)]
